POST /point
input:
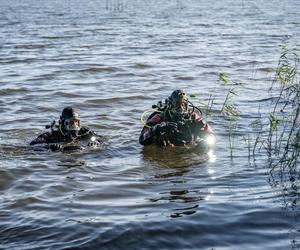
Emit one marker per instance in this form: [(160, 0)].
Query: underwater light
[(93, 138), (211, 140)]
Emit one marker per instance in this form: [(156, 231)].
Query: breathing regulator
[(69, 121)]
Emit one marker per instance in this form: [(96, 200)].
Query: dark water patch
[(142, 66), (6, 178), (100, 69), (153, 234), (179, 57), (62, 37), (71, 163), (262, 100), (61, 58), (59, 14), (136, 48), (13, 91), (125, 75), (26, 202), (12, 75), (294, 23), (15, 60), (182, 196), (67, 94), (184, 78), (266, 69), (115, 100), (42, 77), (11, 23), (31, 46), (177, 157), (27, 236), (15, 148), (183, 211), (96, 69)]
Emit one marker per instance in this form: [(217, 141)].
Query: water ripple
[(112, 63)]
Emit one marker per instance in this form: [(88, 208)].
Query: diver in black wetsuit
[(67, 133), (177, 122)]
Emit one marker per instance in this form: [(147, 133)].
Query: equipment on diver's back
[(176, 108), (160, 106), (52, 125)]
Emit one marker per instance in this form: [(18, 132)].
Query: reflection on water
[(174, 157), (112, 62), (288, 185), (70, 162), (175, 164)]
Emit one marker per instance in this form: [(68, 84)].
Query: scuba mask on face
[(72, 128), (178, 103), (70, 122), (72, 125)]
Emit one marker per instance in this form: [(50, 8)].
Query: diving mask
[(72, 124), (179, 102)]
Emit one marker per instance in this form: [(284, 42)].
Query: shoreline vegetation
[(275, 136)]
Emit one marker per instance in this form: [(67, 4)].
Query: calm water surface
[(112, 62)]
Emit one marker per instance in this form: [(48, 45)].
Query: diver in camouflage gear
[(176, 123)]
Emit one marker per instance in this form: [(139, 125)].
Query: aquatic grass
[(247, 140), (223, 78), (282, 140), (206, 106), (228, 108), (114, 5), (284, 118), (257, 126), (275, 135)]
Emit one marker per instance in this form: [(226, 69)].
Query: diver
[(68, 134), (176, 122)]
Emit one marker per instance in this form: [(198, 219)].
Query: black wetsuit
[(53, 137)]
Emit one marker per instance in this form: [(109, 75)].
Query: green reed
[(276, 134), (282, 140), (207, 106), (257, 126), (229, 110)]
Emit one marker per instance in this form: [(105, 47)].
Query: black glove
[(55, 147), (165, 127)]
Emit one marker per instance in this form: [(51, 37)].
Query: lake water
[(112, 60)]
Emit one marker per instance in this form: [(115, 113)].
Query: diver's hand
[(55, 147), (202, 123), (165, 127), (93, 144)]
